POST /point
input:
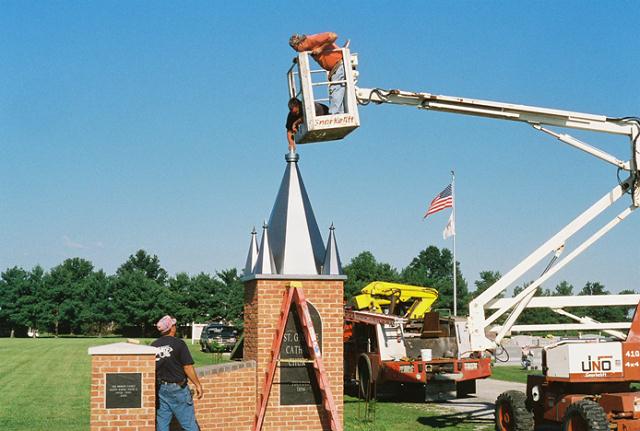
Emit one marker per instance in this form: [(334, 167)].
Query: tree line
[(74, 298)]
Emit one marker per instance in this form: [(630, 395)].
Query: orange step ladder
[(295, 294)]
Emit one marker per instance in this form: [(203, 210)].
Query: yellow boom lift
[(410, 302)]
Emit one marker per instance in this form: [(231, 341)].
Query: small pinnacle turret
[(332, 264), (252, 256), (265, 263)]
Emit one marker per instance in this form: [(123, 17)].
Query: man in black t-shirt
[(295, 118), (174, 365)]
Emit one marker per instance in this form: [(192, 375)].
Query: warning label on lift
[(334, 120)]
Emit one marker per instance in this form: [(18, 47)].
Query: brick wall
[(232, 390), (142, 419), (263, 299), (229, 400)]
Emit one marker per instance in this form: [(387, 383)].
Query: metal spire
[(332, 264), (296, 243), (252, 256), (264, 263)]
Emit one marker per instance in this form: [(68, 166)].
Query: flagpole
[(453, 209)]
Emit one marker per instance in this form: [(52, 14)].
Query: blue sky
[(160, 125)]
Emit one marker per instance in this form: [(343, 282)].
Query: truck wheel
[(511, 414), (585, 415), (365, 382)]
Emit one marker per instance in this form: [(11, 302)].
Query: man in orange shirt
[(328, 55)]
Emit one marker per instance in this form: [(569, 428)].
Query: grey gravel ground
[(477, 409), (487, 392)]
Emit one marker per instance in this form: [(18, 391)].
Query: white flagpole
[(453, 213)]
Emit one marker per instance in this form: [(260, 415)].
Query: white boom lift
[(303, 84)]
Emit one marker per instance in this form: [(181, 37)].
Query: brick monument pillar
[(123, 379), (263, 299), (292, 251)]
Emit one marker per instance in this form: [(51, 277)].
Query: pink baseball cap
[(165, 323)]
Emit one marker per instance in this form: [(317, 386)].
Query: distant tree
[(139, 301), (434, 268), (14, 284), (593, 288), (363, 269), (186, 300), (487, 279), (232, 296), (142, 294), (149, 265), (430, 264), (30, 303), (96, 313), (204, 299), (63, 300), (563, 289), (208, 298)]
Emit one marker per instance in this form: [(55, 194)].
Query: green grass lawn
[(512, 373), (46, 387), (46, 382), (393, 416)]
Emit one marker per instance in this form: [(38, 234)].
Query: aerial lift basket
[(311, 86)]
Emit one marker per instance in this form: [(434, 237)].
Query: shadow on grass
[(479, 414), (460, 414)]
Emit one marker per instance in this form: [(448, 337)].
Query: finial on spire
[(292, 156)]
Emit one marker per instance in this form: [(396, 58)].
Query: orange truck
[(381, 358), (395, 344)]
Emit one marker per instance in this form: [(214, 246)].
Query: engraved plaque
[(298, 383), (123, 391)]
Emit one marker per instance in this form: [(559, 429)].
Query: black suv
[(224, 335)]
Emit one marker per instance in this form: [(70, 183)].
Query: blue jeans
[(336, 92), (174, 400)]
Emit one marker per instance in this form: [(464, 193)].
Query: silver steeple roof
[(252, 256), (264, 263), (296, 243), (332, 264)]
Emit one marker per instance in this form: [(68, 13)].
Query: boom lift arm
[(585, 323), (536, 117)]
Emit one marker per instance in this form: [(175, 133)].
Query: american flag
[(443, 200)]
